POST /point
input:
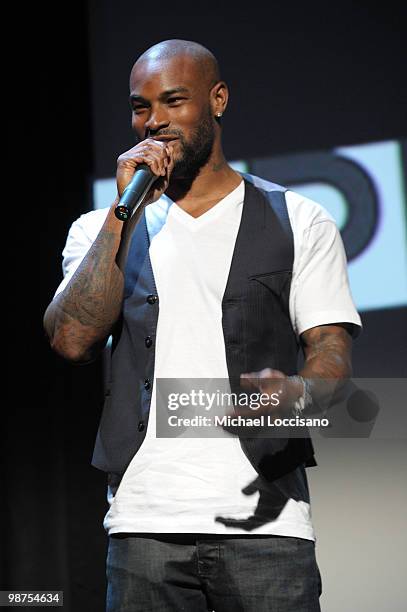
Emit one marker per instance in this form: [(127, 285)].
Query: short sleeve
[(320, 291), (81, 236)]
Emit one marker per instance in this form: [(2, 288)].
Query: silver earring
[(219, 114)]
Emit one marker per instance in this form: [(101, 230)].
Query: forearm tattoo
[(93, 297), (327, 352), (79, 319)]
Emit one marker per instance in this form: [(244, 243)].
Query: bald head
[(204, 62), (176, 91)]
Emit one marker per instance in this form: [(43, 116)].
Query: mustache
[(165, 132)]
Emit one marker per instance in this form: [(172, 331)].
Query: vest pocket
[(277, 282)]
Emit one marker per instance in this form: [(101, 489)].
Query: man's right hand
[(157, 155)]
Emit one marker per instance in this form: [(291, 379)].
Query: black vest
[(256, 326)]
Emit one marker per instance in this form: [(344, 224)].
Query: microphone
[(135, 192)]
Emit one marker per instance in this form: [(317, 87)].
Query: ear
[(219, 96)]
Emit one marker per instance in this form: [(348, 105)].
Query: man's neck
[(215, 180)]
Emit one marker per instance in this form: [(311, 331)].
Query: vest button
[(152, 299), (148, 341), (147, 384), (141, 426)]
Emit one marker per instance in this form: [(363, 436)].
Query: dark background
[(302, 77)]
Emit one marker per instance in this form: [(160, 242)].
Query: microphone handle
[(135, 192)]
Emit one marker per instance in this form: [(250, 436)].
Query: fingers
[(260, 380), (170, 160), (151, 152), (156, 154), (265, 373), (271, 383)]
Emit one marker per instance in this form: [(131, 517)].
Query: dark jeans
[(197, 573)]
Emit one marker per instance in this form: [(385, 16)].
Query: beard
[(195, 152)]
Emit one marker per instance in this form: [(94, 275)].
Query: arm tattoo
[(327, 364), (327, 351), (79, 319), (97, 286)]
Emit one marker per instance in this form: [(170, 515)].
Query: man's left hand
[(277, 386)]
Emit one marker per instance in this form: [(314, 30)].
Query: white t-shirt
[(207, 485)]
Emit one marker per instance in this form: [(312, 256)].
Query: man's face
[(170, 102)]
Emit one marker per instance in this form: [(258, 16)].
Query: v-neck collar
[(236, 195)]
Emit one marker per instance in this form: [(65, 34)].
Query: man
[(215, 276)]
